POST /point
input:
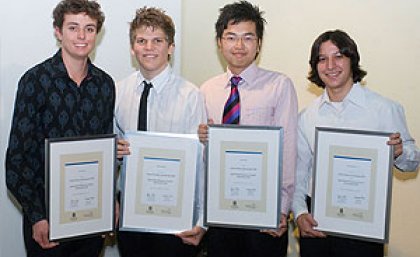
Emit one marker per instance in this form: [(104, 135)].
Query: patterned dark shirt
[(50, 105)]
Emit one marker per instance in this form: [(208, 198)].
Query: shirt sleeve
[(198, 116), (303, 172), (197, 112), (199, 189), (111, 108), (286, 113), (25, 152), (409, 159)]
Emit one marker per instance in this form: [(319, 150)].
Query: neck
[(76, 68), (236, 71), (338, 94), (149, 75)]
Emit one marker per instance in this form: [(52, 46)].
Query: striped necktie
[(232, 110), (142, 121)]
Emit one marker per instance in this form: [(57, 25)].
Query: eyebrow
[(72, 23), (151, 38), (243, 34)]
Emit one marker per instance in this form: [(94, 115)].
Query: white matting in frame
[(159, 182), (352, 183), (243, 180), (80, 175)]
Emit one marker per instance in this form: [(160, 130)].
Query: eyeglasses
[(157, 41), (246, 39)]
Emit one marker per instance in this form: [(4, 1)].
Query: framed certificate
[(243, 179), (79, 182), (352, 183), (159, 182)]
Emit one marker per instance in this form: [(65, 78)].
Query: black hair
[(346, 46), (238, 12)]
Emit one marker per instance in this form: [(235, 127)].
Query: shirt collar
[(248, 75), (60, 69), (355, 96), (159, 81)]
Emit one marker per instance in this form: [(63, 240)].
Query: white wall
[(26, 39), (388, 36)]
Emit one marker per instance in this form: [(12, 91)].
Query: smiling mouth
[(332, 74), (150, 55), (239, 54), (81, 45)]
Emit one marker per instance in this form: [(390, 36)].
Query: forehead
[(149, 31), (240, 27), (79, 18), (328, 47)]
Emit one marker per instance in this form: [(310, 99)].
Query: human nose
[(239, 42), (81, 33), (149, 44), (331, 63)]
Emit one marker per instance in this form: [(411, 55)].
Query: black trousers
[(339, 247), (228, 242), (136, 244), (86, 247), (333, 246)]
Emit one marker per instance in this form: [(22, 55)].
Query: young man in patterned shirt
[(64, 96)]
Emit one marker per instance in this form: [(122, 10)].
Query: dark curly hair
[(91, 8), (346, 46)]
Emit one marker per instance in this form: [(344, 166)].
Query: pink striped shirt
[(268, 98)]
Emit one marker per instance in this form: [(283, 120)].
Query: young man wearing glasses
[(173, 105), (262, 97)]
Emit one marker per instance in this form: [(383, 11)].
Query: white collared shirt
[(174, 105), (361, 109)]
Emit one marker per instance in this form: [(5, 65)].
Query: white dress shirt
[(174, 105), (361, 109)]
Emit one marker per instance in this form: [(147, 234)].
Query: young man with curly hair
[(64, 96)]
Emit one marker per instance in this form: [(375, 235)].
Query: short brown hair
[(90, 7), (154, 18)]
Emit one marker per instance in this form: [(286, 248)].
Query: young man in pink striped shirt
[(267, 98)]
